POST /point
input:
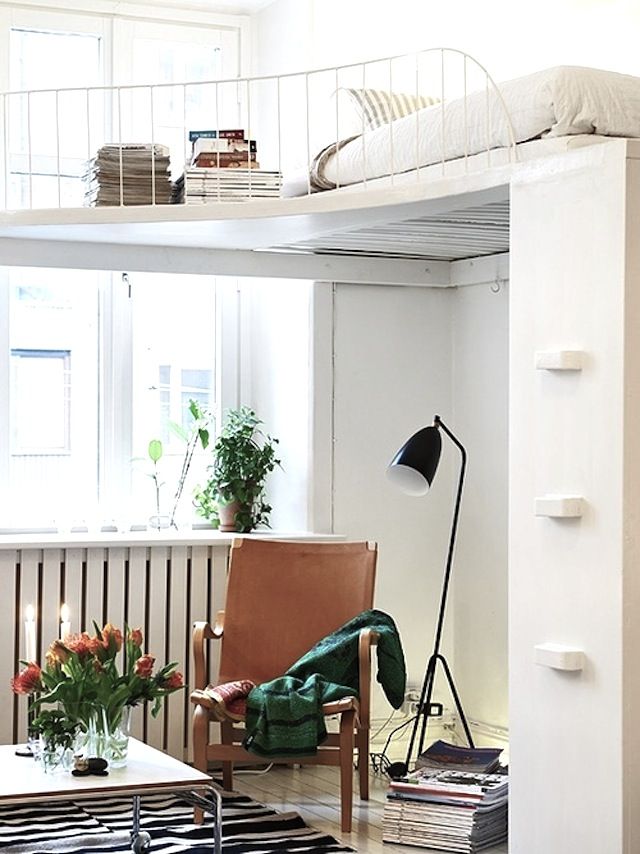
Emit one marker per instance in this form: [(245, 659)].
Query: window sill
[(99, 539)]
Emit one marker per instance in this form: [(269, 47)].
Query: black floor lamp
[(413, 469)]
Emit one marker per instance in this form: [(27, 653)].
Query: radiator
[(162, 589)]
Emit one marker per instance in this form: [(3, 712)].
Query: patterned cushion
[(379, 107)]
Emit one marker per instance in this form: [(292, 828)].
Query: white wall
[(480, 376), (276, 369), (509, 39), (392, 355)]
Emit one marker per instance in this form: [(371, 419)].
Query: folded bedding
[(557, 102)]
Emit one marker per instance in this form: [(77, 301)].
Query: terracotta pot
[(227, 515)]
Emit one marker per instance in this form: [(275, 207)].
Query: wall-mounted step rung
[(559, 506), (559, 360), (559, 657)]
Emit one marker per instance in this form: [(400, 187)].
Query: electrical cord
[(380, 761), (254, 770)]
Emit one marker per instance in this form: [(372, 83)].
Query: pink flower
[(135, 636), (144, 666), (174, 681), (28, 681)]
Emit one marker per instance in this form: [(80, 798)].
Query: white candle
[(65, 622), (30, 633)]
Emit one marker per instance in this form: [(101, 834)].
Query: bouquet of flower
[(82, 677)]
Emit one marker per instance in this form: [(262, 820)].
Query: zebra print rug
[(103, 825)]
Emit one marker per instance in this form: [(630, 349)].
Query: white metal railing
[(49, 135)]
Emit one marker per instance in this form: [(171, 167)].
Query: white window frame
[(115, 427), (116, 23)]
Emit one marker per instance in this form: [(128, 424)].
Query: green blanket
[(284, 716)]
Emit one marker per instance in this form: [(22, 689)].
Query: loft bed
[(408, 201), (566, 207)]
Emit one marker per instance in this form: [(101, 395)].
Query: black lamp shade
[(414, 466)]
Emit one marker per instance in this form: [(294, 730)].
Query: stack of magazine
[(224, 168), (439, 806), (127, 174)]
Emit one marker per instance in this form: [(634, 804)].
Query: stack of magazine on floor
[(224, 168), (126, 174), (440, 806)]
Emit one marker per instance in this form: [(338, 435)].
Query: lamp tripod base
[(400, 769)]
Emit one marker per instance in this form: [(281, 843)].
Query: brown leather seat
[(283, 597)]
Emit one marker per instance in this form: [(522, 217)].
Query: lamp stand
[(399, 769)]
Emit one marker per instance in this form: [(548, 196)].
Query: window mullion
[(116, 398)]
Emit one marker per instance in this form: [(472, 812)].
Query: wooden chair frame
[(337, 750)]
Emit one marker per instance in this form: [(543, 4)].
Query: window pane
[(41, 376), (173, 362), (48, 132), (53, 330), (162, 60)]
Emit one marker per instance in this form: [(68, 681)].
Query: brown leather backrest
[(282, 597)]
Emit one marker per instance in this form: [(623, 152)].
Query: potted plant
[(233, 497)]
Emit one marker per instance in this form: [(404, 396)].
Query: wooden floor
[(314, 792)]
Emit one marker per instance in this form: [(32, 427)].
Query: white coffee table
[(147, 771)]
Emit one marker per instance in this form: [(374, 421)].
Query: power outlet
[(411, 702)]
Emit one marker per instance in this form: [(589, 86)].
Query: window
[(94, 366), (54, 133), (99, 364)]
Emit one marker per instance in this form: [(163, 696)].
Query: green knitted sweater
[(284, 716)]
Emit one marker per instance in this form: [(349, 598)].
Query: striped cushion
[(378, 107)]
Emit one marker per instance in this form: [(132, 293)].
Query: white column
[(574, 432)]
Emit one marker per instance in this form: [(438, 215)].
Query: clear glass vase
[(52, 757), (106, 738)]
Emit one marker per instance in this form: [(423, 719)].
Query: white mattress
[(298, 184), (559, 102)]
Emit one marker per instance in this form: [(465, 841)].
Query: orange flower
[(57, 653), (135, 636), (110, 632), (174, 681), (94, 644), (28, 681), (80, 644), (144, 666)]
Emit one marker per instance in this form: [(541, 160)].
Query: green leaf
[(179, 430), (155, 450)]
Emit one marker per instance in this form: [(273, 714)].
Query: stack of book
[(451, 802), (127, 174), (224, 167), (223, 149), (449, 810)]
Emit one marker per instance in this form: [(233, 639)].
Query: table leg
[(215, 809), (140, 841), (217, 821)]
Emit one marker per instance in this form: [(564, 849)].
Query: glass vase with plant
[(196, 434), (92, 694), (243, 456)]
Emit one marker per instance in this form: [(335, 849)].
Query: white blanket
[(557, 102)]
